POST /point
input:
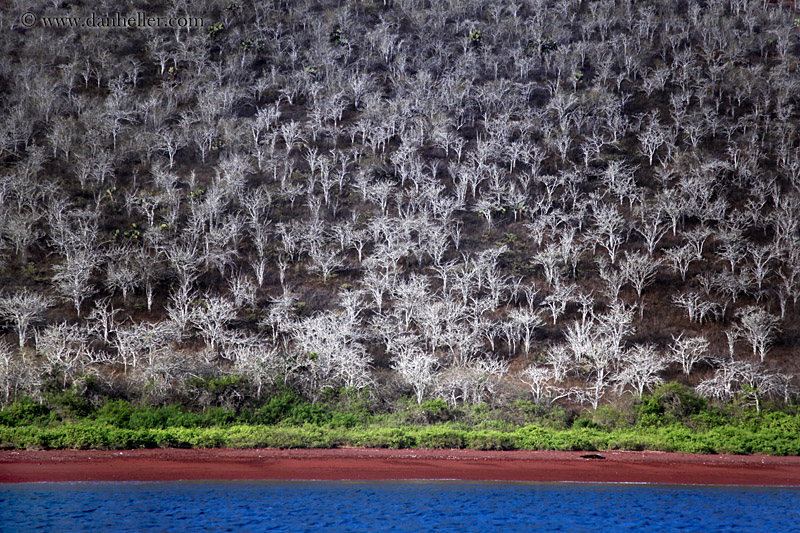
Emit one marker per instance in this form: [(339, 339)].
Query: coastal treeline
[(673, 418), (467, 203)]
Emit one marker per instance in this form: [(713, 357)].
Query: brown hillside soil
[(374, 464)]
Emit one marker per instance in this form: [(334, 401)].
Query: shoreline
[(20, 466)]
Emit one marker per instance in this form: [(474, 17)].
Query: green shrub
[(76, 437), (395, 438), (217, 417), (679, 438), (584, 422), (170, 438), (782, 421), (217, 385), (288, 407), (25, 412), (649, 412), (71, 405), (163, 417), (435, 411), (115, 413), (347, 420), (19, 437), (669, 403), (534, 438), (348, 407), (490, 440), (440, 437), (247, 436), (608, 418), (297, 437), (525, 412), (127, 439), (184, 437), (208, 438), (708, 419), (673, 418), (578, 440), (776, 440), (679, 401), (629, 440), (222, 390)]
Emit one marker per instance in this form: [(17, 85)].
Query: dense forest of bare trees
[(566, 201)]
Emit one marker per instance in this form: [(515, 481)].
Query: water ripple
[(396, 506)]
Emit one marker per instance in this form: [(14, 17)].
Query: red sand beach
[(374, 464)]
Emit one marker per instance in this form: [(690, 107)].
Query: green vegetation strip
[(769, 439), (673, 418)]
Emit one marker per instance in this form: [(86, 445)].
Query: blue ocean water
[(393, 506)]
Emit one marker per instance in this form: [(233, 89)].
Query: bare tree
[(697, 238), (121, 272), (409, 296), (691, 301), (24, 308), (20, 228), (688, 351), (652, 228), (211, 316), (332, 157), (527, 321), (558, 299), (762, 256), (756, 383), (538, 379), (66, 351), (681, 257), (415, 367), (721, 385), (473, 381), (243, 290), (652, 137), (185, 259), (291, 132), (331, 352), (279, 318), (325, 261), (559, 358), (613, 277), (73, 278), (179, 308), (102, 319), (639, 270), (549, 259), (609, 225), (360, 85), (261, 363), (641, 368), (172, 141), (16, 374), (749, 380), (759, 328), (594, 348), (143, 342), (619, 180)]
